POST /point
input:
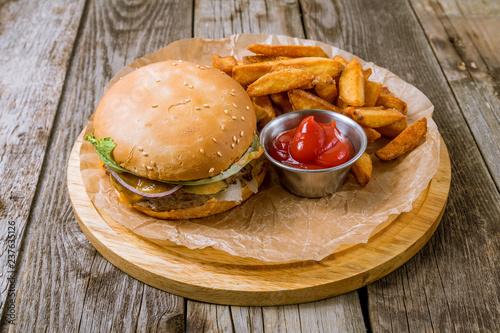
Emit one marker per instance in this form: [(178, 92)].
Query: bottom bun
[(211, 207)]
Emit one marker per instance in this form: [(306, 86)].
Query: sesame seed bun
[(176, 121)]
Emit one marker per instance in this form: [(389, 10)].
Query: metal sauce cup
[(314, 183)]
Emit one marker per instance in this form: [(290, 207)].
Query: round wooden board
[(214, 276)]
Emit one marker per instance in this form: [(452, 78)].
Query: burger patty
[(182, 199)]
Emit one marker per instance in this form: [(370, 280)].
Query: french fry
[(373, 117), (341, 104), (406, 141), (281, 100), (325, 87), (362, 169), (279, 81), (393, 130), (258, 58), (372, 92), (371, 134), (389, 101), (352, 84), (293, 51), (340, 59), (225, 64), (303, 100), (264, 110), (246, 74)]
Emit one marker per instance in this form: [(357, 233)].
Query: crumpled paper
[(274, 225)]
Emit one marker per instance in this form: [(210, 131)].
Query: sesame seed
[(202, 151), (201, 67), (153, 163), (190, 87), (206, 105), (211, 170), (234, 138), (242, 118), (241, 133), (158, 80), (174, 64), (180, 60), (187, 100), (232, 145), (226, 112), (237, 141), (185, 83), (154, 105), (149, 168), (234, 105), (208, 67), (248, 108), (197, 108), (234, 117), (223, 127), (139, 148), (232, 94), (214, 140), (121, 77), (219, 153), (145, 154), (198, 66)]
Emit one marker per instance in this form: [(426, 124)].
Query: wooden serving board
[(214, 276)]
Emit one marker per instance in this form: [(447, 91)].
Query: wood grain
[(462, 36), (217, 277), (36, 50), (437, 289), (65, 284)]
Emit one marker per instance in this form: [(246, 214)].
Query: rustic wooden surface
[(55, 60)]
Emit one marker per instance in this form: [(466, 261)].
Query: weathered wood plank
[(463, 36), (66, 285), (219, 19), (36, 40), (453, 283)]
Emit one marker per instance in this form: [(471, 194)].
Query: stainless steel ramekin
[(314, 183)]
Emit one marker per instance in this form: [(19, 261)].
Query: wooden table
[(55, 60)]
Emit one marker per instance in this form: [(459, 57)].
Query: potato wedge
[(352, 84), (258, 58), (225, 64), (279, 81), (293, 51), (367, 72), (371, 134), (325, 87), (393, 130), (389, 101), (404, 142), (372, 92), (303, 100), (373, 117), (264, 110), (362, 169), (281, 101), (246, 74), (340, 59)]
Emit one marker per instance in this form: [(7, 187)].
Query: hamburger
[(178, 140)]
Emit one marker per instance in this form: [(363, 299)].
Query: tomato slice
[(307, 141)]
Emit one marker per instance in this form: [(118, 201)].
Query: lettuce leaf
[(105, 146)]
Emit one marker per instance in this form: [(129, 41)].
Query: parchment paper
[(275, 225)]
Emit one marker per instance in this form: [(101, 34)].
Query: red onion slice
[(139, 192)]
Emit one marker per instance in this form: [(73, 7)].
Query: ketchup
[(311, 145)]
